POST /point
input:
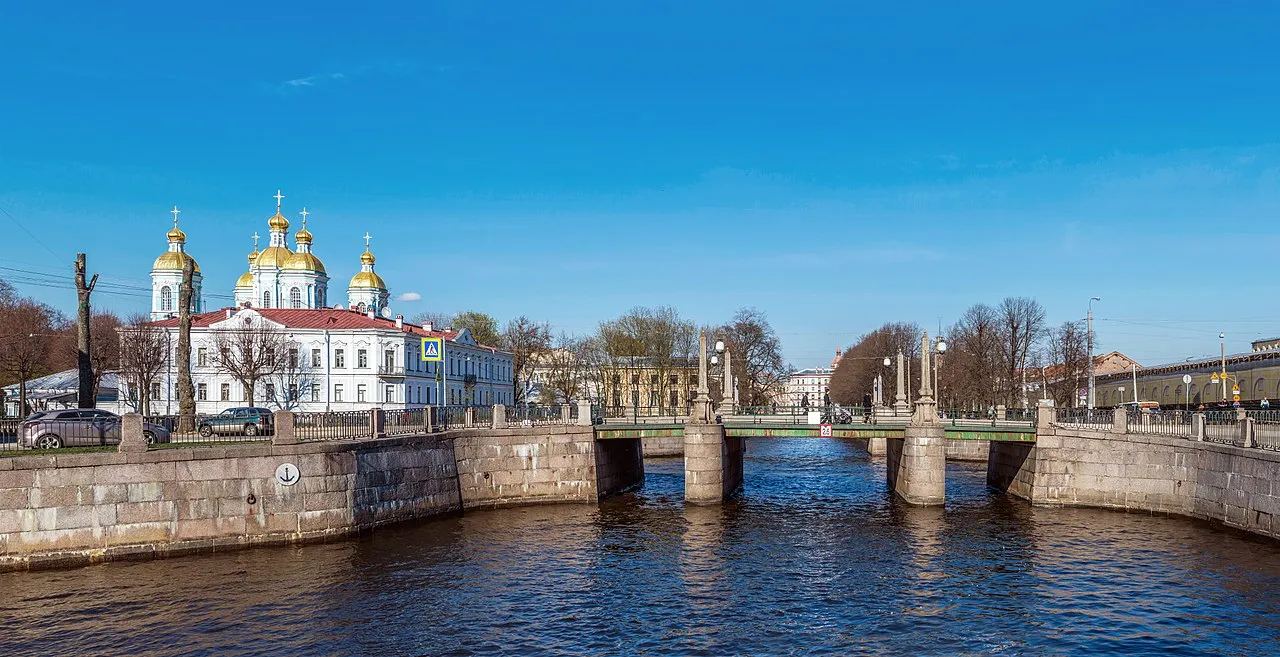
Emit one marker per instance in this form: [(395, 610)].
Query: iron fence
[(1222, 427), (1085, 418), (332, 425), (400, 422), (537, 414), (9, 433), (1163, 422), (1266, 429), (453, 415), (203, 428)]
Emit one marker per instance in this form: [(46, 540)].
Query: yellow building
[(1253, 376)]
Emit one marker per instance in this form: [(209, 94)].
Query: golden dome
[(173, 261), (278, 222), (366, 258), (273, 256), (254, 256), (303, 236), (246, 280), (176, 235), (367, 280), (304, 262)]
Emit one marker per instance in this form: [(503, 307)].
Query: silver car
[(79, 427)]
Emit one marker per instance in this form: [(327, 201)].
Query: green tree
[(483, 327)]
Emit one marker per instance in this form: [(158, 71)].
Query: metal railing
[(9, 433), (400, 422), (1266, 429), (391, 370), (1222, 427), (1164, 423), (1085, 418), (332, 425), (539, 414), (203, 428)]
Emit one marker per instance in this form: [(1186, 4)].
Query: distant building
[(1255, 374), (61, 390), (810, 384)]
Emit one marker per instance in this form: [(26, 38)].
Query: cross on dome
[(255, 240), (278, 197), (175, 211), (367, 237), (304, 214)]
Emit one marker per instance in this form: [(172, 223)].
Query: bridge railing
[(1222, 427), (1163, 422), (1266, 429), (1084, 418)]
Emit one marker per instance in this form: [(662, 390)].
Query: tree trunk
[(86, 395), (22, 398), (186, 389)]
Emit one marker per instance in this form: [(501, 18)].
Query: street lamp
[(1089, 339), (941, 347), (1222, 343)]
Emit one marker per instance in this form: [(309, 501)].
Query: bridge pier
[(712, 460), (917, 462), (877, 446)]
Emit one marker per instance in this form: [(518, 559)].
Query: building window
[(339, 358), (166, 299), (293, 357), (391, 394), (675, 398), (320, 298), (653, 381), (635, 379), (362, 358), (271, 391), (266, 299), (360, 393), (224, 392), (337, 392), (361, 307), (202, 357), (155, 391), (315, 358), (202, 392), (295, 298), (653, 397), (674, 379)]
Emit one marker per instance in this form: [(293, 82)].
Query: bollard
[(1002, 412), (131, 438), (285, 432), (471, 416)]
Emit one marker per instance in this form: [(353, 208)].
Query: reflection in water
[(814, 558)]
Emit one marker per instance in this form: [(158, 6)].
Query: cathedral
[(278, 277)]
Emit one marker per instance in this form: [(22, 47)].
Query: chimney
[(426, 326), (399, 321), (228, 313), (369, 313)]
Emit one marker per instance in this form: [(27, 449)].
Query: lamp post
[(1222, 344), (1089, 339), (941, 347)]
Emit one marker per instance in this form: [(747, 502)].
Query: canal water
[(815, 558)]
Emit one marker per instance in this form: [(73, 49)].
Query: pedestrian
[(1265, 404)]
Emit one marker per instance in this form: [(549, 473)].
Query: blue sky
[(835, 164)]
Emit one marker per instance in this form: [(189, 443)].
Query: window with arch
[(361, 307), (320, 297), (1165, 397), (1260, 388), (1195, 393), (166, 298), (266, 299), (295, 298), (1177, 393)]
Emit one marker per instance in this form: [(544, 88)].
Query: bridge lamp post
[(941, 347), (1089, 339)]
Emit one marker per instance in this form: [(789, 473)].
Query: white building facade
[(809, 384), (351, 357)]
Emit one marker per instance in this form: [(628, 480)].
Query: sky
[(836, 165)]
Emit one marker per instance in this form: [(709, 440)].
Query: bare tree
[(657, 339), (186, 388), (437, 320), (973, 360), (290, 384), (84, 335), (1068, 354), (854, 376), (757, 356), (1021, 328), (250, 351), (25, 353), (565, 365), (527, 341), (143, 357)]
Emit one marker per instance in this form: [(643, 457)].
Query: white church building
[(351, 356)]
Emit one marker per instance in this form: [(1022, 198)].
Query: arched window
[(1260, 388), (1177, 393), (166, 298), (1195, 394), (1165, 398), (295, 298), (266, 299), (361, 307)]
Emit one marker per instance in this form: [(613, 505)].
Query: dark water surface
[(815, 558)]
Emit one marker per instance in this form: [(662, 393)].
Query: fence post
[(426, 418), (565, 413), (1002, 412), (1119, 420), (1246, 428), (584, 412), (1197, 426), (131, 438), (499, 416), (377, 423), (471, 416), (1045, 415), (285, 431)]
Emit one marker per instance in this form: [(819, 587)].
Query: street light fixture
[(1222, 343), (1089, 339), (941, 347)]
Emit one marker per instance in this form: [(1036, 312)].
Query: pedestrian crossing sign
[(433, 349)]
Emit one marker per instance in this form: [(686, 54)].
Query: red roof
[(322, 318)]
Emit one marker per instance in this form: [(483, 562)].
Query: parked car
[(245, 420), (79, 427)]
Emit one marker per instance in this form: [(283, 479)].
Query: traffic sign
[(1235, 397), (1186, 378), (1235, 388), (825, 431), (287, 474), (433, 349)]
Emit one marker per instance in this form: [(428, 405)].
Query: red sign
[(824, 430)]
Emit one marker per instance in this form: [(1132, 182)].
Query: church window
[(361, 307), (166, 299), (320, 298), (266, 299), (295, 298)]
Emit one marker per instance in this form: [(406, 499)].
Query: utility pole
[(1222, 341), (186, 389), (86, 396), (1089, 331)]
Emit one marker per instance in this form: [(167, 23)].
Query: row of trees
[(994, 354), (658, 339)]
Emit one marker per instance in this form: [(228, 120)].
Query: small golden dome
[(273, 256), (303, 236), (176, 235), (304, 262), (367, 280), (278, 222), (246, 280), (366, 258), (173, 261), (254, 256)]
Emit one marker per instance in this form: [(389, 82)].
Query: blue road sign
[(433, 349)]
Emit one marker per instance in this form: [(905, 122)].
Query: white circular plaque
[(287, 474)]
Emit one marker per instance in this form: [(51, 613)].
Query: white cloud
[(409, 296), (312, 80)]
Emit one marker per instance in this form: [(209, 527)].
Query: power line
[(29, 233)]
